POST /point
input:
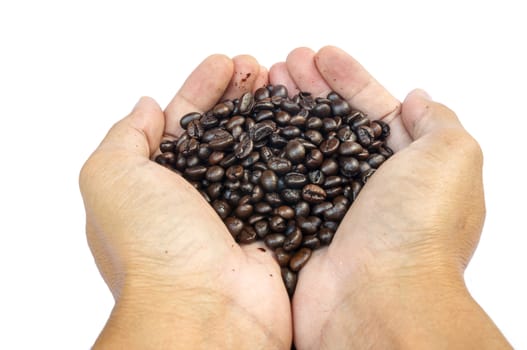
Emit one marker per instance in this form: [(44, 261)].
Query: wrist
[(434, 312), (188, 318)]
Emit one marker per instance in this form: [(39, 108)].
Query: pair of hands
[(179, 279)]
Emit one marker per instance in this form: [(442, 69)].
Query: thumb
[(138, 133), (421, 115)]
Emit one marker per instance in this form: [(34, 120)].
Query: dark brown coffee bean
[(246, 103), (195, 129), (209, 121), (332, 181), (219, 139), (261, 93), (279, 165), (269, 181), (291, 195), (282, 117), (329, 124), (302, 209), (290, 132), (195, 173), (187, 118), (295, 180), (295, 151), (321, 110), (329, 167), (325, 235), (320, 208), (231, 196), (248, 235), (166, 158), (299, 259), (329, 147), (215, 173), (222, 110), (262, 130), (262, 228), (276, 140), (375, 160), (222, 208), (228, 160), (237, 120), (366, 175), (274, 240), (167, 146), (312, 242), (216, 157), (349, 148), (339, 106), (349, 166), (279, 91), (316, 177), (192, 160), (273, 198), (335, 213), (313, 193), (243, 211), (282, 256), (277, 224), (293, 240), (314, 136), (290, 279), (309, 225), (250, 160), (234, 225), (263, 115), (257, 194), (214, 190), (263, 208), (285, 211)]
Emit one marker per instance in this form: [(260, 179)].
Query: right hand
[(410, 234)]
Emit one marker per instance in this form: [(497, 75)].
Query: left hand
[(176, 273)]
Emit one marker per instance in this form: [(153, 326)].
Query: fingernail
[(423, 94)]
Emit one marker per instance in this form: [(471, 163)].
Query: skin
[(392, 278)]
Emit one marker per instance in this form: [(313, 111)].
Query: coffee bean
[(269, 166), (234, 225), (269, 181), (282, 256), (295, 151), (187, 118), (293, 240), (290, 280), (215, 173), (299, 259), (274, 240)]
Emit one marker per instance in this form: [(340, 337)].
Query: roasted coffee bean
[(215, 173), (277, 223), (222, 208), (282, 256), (274, 240), (187, 118), (329, 167), (262, 228), (243, 148), (285, 211), (316, 177), (246, 103), (325, 235), (234, 225), (293, 240), (248, 235), (291, 195), (349, 166), (290, 280), (269, 166), (269, 181), (302, 209), (312, 242), (299, 259), (166, 146), (295, 180), (279, 165)]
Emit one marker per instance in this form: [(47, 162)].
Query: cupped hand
[(415, 223), (167, 257)]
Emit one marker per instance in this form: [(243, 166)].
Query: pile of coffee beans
[(279, 169)]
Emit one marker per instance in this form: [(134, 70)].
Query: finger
[(302, 69), (262, 79), (349, 78), (246, 71), (422, 116), (140, 132), (200, 92), (279, 75)]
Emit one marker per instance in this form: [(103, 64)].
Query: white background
[(70, 69)]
